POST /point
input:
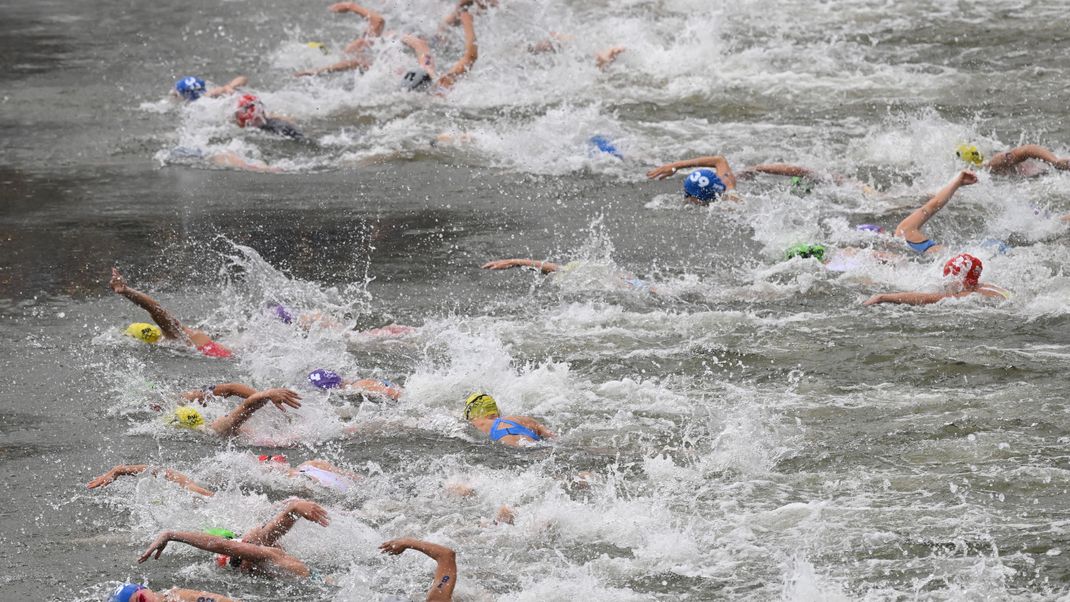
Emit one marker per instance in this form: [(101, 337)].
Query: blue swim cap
[(704, 185), (324, 379), (190, 87), (869, 228), (996, 246), (124, 592), (605, 145)]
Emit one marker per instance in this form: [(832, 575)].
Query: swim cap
[(124, 592), (214, 349), (143, 331), (964, 267), (601, 143), (870, 228), (996, 246), (190, 88), (806, 251), (250, 109), (281, 459), (480, 405), (186, 417), (969, 154), (324, 379), (317, 46), (224, 533), (801, 185), (282, 312), (704, 185), (415, 80)]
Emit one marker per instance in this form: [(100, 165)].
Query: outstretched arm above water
[(717, 162), (169, 324), (229, 547), (910, 228), (133, 469), (911, 298), (220, 390), (545, 267), (471, 53), (1008, 159), (376, 24), (269, 533), (228, 425), (227, 88), (780, 169), (606, 58), (446, 564)]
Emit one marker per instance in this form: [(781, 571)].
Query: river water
[(748, 430)]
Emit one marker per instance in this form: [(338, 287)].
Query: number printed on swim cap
[(700, 179)]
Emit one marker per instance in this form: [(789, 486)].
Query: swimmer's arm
[(471, 52), (605, 58), (191, 595), (1008, 159), (325, 465), (907, 298), (361, 63), (445, 571), (133, 469), (422, 51), (780, 169), (220, 390), (376, 22), (228, 88), (717, 162), (208, 543), (228, 425), (545, 267), (169, 325)]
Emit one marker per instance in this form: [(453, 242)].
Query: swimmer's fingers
[(157, 547), (105, 479), (394, 547), (874, 300), (117, 283), (967, 178), (661, 172)]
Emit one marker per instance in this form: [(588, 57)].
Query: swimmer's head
[(801, 185), (970, 154), (704, 186), (277, 458), (125, 592), (480, 405), (416, 80), (603, 144), (143, 331), (870, 228), (190, 88), (317, 46), (965, 269), (186, 417), (250, 111), (996, 246), (281, 312), (806, 251), (324, 379)]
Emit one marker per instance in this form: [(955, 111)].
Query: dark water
[(754, 433)]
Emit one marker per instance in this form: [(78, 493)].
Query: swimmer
[(549, 267), (167, 326), (552, 44), (422, 78), (256, 551), (308, 320), (250, 112), (132, 592), (226, 159), (445, 569), (910, 228), (840, 259), (370, 387), (1012, 162), (360, 62), (191, 88), (230, 425), (965, 273), (702, 186), (482, 412), (320, 472)]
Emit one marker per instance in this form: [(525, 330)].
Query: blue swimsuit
[(922, 246), (503, 428)]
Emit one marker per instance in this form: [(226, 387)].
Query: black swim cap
[(415, 80)]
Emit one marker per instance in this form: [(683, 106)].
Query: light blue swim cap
[(190, 88), (603, 144), (124, 592), (704, 185), (996, 246)]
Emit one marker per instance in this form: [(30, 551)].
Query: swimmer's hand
[(117, 283), (157, 547), (662, 172), (545, 267), (966, 178), (605, 58), (874, 300), (395, 546), (307, 73), (119, 471), (280, 397), (310, 511)]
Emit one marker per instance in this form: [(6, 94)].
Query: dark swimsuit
[(282, 128)]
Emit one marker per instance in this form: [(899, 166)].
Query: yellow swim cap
[(187, 418), (480, 405), (969, 154), (317, 46), (144, 332)]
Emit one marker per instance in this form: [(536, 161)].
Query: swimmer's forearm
[(782, 169), (217, 545), (912, 298), (227, 88), (433, 550), (233, 389), (714, 161), (185, 482)]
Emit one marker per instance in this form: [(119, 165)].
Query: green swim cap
[(801, 185), (806, 251), (219, 532)]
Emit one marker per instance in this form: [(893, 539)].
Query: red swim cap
[(214, 349), (965, 267), (249, 108)]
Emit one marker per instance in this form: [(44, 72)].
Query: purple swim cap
[(324, 379), (869, 228), (281, 312)]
